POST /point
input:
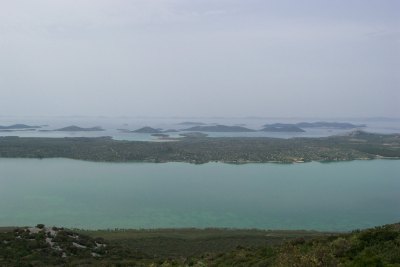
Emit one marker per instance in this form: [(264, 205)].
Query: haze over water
[(112, 124)]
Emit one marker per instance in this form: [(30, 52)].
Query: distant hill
[(194, 123), (74, 128), (332, 125), (18, 126), (147, 130), (281, 127), (219, 128)]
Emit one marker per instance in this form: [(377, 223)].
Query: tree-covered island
[(357, 145)]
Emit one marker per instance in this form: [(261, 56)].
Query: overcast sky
[(200, 57)]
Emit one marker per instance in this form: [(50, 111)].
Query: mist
[(200, 58)]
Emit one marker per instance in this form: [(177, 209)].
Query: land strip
[(358, 145)]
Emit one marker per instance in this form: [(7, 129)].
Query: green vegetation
[(38, 246), (358, 145)]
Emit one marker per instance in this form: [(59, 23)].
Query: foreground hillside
[(42, 246), (358, 145)]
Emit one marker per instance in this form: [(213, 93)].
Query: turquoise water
[(321, 196)]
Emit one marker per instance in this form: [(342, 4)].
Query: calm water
[(334, 196)]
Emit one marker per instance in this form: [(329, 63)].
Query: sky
[(235, 58)]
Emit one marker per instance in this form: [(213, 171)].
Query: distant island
[(357, 145), (18, 130), (74, 128), (219, 128), (331, 125), (281, 127), (147, 129), (18, 127), (275, 127), (298, 127)]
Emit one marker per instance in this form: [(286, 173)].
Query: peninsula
[(198, 149)]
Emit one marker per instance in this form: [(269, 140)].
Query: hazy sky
[(200, 57)]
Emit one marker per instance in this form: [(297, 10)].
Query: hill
[(331, 125), (18, 126), (43, 246), (147, 130)]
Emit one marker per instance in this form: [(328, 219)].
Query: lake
[(321, 196)]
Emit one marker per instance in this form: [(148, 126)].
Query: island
[(298, 127), (357, 145), (147, 129), (330, 125), (18, 127), (74, 128), (18, 130), (281, 127), (218, 128)]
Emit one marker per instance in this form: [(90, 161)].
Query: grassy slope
[(175, 243), (379, 246)]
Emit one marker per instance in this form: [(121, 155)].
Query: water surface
[(321, 196)]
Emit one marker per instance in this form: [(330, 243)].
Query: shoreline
[(212, 161)]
